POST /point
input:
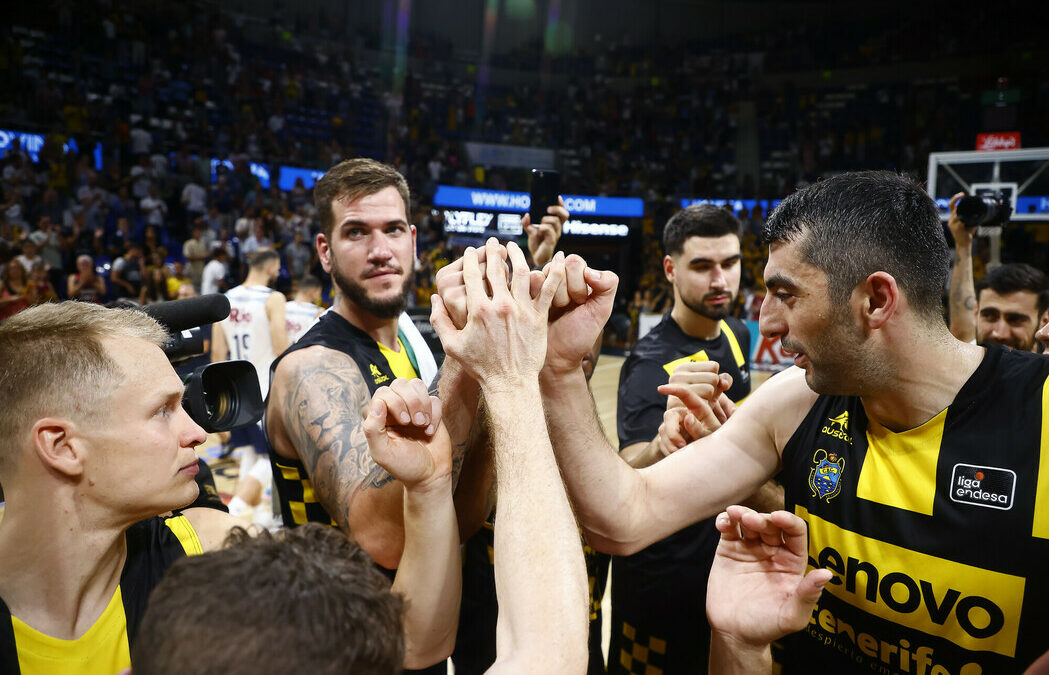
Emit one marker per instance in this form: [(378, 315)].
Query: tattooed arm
[(963, 292), (318, 400)]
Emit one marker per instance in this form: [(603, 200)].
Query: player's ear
[(881, 299), (668, 268), (324, 252), (58, 446)]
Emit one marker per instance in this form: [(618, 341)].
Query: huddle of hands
[(508, 326)]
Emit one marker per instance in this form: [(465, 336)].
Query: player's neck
[(58, 570), (694, 324), (383, 331), (924, 377), (256, 280)]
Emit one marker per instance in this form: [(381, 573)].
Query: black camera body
[(218, 396), (984, 209)]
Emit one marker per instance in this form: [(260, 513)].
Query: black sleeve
[(640, 407)]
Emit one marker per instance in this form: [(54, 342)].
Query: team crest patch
[(825, 477), (377, 375)]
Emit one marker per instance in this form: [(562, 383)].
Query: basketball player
[(254, 331), (96, 445), (303, 310), (321, 386), (895, 441), (657, 593)]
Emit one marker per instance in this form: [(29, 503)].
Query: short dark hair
[(262, 257), (352, 179), (310, 601), (854, 224), (309, 281), (1013, 277), (698, 220)]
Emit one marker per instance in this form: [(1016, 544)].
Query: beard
[(1011, 342), (388, 308), (703, 309)]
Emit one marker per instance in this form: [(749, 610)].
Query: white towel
[(423, 355)]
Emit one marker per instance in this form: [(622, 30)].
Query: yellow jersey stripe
[(187, 536), (1040, 527), (733, 344)]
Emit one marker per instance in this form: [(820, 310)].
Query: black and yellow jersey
[(938, 537), (105, 648), (379, 366), (659, 621)]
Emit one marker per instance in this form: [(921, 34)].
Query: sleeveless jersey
[(247, 330), (938, 537), (659, 622), (298, 501), (299, 317), (105, 648)]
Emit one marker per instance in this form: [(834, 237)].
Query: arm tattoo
[(323, 415)]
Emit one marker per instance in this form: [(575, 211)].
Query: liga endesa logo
[(1001, 141)]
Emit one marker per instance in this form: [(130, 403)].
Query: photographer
[(1004, 308)]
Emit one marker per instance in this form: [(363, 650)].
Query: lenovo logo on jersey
[(239, 316), (975, 608), (983, 486)]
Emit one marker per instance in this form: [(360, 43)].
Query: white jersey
[(247, 330), (299, 317)]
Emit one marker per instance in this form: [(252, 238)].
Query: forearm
[(601, 485), (767, 499), (473, 470), (430, 575), (963, 295), (729, 656), (540, 572), (460, 397)]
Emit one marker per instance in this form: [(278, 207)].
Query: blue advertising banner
[(289, 174), (32, 144), (736, 204), (498, 200)]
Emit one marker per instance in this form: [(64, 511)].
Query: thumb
[(374, 425), (804, 599), (443, 326)]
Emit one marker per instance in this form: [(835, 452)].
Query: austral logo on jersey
[(975, 608), (838, 427), (377, 375), (983, 486), (825, 477)]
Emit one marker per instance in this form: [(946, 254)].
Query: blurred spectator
[(44, 289), (128, 274), (214, 276), (195, 252), (84, 284), (16, 292)]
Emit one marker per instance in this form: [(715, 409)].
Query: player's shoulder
[(781, 403), (303, 362)]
